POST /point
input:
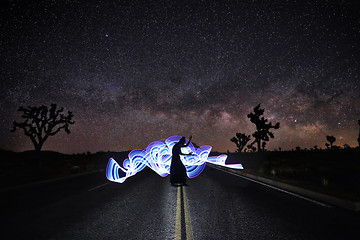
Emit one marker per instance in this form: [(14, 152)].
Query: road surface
[(215, 205)]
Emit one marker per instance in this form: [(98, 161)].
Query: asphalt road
[(215, 205)]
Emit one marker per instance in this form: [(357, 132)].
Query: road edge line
[(99, 186), (302, 192)]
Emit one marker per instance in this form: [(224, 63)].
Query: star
[(181, 69)]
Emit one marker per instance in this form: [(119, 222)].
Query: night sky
[(139, 71)]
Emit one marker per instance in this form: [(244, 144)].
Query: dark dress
[(177, 168)]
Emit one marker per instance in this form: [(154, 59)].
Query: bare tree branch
[(262, 133), (40, 122)]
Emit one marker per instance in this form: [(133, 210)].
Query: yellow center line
[(188, 229), (189, 233), (178, 216)]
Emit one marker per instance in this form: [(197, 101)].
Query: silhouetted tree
[(327, 145), (41, 122), (263, 145), (335, 147), (298, 148), (240, 140), (251, 147), (316, 147), (331, 140), (347, 146), (262, 132)]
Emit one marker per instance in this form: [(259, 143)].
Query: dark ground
[(19, 168), (221, 206), (334, 172)]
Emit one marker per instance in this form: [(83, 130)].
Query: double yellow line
[(181, 194)]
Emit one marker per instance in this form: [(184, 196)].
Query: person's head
[(182, 140)]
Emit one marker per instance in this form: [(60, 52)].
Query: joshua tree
[(263, 145), (251, 147), (331, 140), (41, 122), (262, 132), (240, 140)]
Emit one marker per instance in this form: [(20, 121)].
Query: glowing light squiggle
[(157, 156)]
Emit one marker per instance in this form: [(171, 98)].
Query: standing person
[(177, 168)]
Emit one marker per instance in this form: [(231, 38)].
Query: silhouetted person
[(177, 168)]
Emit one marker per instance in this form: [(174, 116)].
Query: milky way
[(136, 71)]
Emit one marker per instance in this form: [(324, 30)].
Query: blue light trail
[(157, 156)]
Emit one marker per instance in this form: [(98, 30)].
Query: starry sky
[(133, 72)]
